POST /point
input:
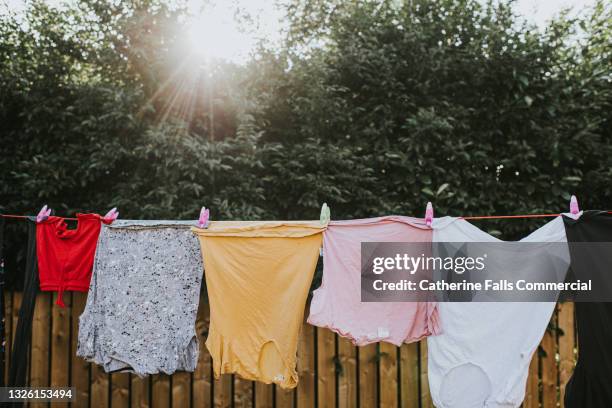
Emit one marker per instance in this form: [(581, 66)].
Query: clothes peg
[(43, 214), (111, 215), (325, 214), (429, 214), (204, 217), (574, 209)]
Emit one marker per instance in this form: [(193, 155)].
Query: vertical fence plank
[(60, 343), (120, 390), (566, 346), (223, 391), (388, 375), (306, 367), (264, 395), (284, 398), (16, 301), (80, 368), (549, 366), (243, 392), (17, 298), (99, 386), (425, 394), (532, 395), (368, 368), (202, 377), (160, 384), (409, 375), (347, 378), (41, 332), (8, 330), (326, 367), (139, 392), (181, 390)]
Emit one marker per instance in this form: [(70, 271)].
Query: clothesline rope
[(26, 216), (494, 217), (470, 217)]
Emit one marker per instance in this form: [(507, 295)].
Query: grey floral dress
[(143, 298)]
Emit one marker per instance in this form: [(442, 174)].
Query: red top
[(66, 256)]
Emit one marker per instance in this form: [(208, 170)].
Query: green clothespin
[(325, 214)]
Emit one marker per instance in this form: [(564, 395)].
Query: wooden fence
[(332, 372)]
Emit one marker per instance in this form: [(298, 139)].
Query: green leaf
[(573, 178), (428, 191), (441, 189)]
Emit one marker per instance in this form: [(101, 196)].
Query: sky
[(217, 34)]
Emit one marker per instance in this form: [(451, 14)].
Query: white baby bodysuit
[(482, 357)]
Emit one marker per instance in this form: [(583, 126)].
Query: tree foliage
[(451, 101), (374, 107)]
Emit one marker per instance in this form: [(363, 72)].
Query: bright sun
[(211, 36), (215, 31), (227, 31)]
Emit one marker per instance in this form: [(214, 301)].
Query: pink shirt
[(337, 305)]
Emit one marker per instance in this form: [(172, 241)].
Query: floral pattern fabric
[(143, 298)]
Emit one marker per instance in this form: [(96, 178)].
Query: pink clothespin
[(43, 214), (112, 215), (574, 209), (429, 214), (204, 216)]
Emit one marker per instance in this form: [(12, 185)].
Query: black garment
[(23, 333), (590, 385), (2, 317)]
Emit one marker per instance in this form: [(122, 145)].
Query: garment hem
[(227, 367), (347, 335), (67, 288)]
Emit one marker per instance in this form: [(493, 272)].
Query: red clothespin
[(112, 215), (574, 209), (204, 217), (43, 214), (429, 214)]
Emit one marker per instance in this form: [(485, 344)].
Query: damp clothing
[(143, 299), (258, 275), (337, 304), (23, 333), (589, 385), (65, 256), (482, 357), (2, 309)]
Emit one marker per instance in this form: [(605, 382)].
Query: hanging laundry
[(2, 309), (589, 385), (23, 334), (337, 305), (65, 256), (258, 275), (143, 299), (482, 356)]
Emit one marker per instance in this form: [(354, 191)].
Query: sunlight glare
[(214, 33)]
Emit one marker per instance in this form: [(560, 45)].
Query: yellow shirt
[(258, 274)]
